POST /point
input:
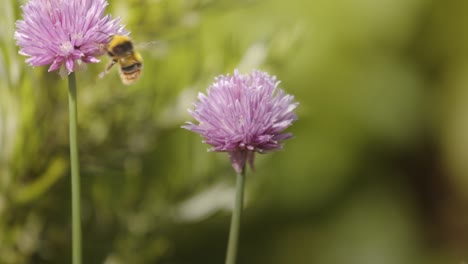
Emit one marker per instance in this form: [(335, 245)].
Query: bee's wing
[(147, 45)]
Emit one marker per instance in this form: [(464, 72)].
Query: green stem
[(75, 172), (235, 220)]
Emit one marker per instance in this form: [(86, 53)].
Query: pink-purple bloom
[(63, 33), (243, 114)]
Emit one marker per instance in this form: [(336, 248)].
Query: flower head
[(64, 33), (243, 114)]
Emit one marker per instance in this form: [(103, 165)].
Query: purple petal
[(238, 160), (56, 64), (69, 64)]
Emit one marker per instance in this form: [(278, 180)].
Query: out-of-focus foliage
[(377, 171)]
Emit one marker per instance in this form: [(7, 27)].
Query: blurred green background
[(377, 172)]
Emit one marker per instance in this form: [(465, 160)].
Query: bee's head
[(120, 45)]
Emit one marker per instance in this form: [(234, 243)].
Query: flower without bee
[(243, 114)]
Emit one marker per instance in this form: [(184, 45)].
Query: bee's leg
[(112, 63)]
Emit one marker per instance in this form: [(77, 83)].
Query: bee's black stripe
[(131, 68)]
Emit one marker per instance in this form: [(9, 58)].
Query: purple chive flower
[(243, 114), (64, 33)]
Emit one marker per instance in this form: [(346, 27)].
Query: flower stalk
[(75, 172), (243, 114), (67, 35), (233, 242)]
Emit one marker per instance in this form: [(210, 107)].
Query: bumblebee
[(121, 51)]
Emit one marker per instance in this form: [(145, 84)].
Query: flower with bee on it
[(243, 114), (65, 34)]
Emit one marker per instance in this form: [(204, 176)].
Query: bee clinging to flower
[(121, 50)]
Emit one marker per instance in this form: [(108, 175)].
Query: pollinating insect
[(121, 51)]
